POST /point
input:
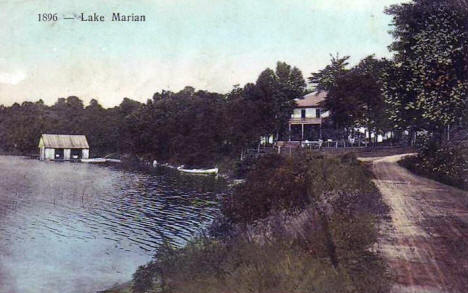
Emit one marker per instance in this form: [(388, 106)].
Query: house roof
[(312, 100), (60, 141)]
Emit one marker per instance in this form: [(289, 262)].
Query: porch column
[(302, 130), (289, 131), (320, 130), (66, 154)]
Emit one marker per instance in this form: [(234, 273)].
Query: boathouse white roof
[(61, 141)]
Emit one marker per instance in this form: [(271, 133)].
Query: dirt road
[(426, 240)]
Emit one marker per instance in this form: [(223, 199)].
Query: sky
[(208, 44)]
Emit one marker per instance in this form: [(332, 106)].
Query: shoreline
[(125, 287)]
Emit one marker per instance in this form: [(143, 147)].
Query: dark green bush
[(447, 163), (278, 183), (275, 183)]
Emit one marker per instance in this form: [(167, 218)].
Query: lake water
[(70, 227)]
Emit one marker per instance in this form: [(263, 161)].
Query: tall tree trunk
[(410, 136)]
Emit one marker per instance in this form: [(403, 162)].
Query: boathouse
[(63, 147)]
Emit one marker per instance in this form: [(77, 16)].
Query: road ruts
[(426, 240)]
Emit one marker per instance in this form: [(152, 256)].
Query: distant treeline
[(22, 125), (193, 127)]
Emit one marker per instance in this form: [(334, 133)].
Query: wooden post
[(302, 130)]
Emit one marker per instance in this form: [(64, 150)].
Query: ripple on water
[(113, 220)]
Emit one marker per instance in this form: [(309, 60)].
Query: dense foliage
[(190, 127), (447, 163), (356, 100), (278, 183), (296, 226), (428, 84), (426, 87), (274, 93), (22, 125), (423, 87)]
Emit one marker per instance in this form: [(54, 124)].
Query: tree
[(431, 45), (400, 101), (356, 98), (126, 124), (343, 103), (24, 124), (291, 85), (186, 127), (66, 116), (326, 79), (372, 101), (275, 93), (99, 126), (245, 124)]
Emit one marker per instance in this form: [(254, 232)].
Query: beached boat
[(198, 171)]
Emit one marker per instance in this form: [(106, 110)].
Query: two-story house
[(306, 120)]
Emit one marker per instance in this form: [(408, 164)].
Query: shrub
[(144, 278), (277, 183), (447, 163)]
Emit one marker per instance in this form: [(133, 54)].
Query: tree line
[(195, 127)]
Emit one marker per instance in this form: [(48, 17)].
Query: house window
[(317, 112), (303, 113)]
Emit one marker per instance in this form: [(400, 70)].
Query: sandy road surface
[(426, 240)]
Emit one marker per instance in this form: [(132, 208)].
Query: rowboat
[(94, 160), (198, 171)]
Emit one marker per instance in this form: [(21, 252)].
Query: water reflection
[(79, 228)]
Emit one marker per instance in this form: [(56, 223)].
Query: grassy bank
[(302, 224)]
